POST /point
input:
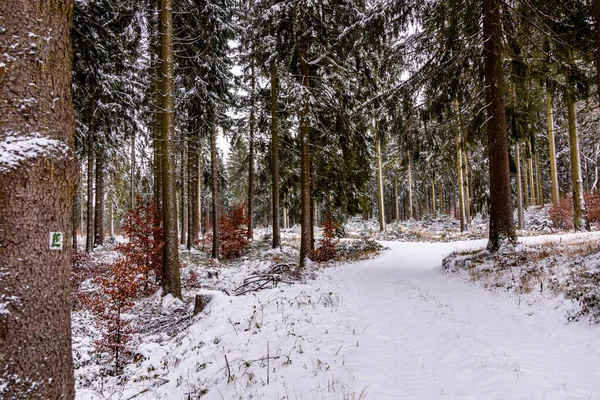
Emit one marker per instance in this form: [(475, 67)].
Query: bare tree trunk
[(155, 64), (521, 222), (380, 200), (461, 186), (538, 184), (502, 226), (184, 193), (111, 215), (433, 197), (215, 190), (305, 229), (467, 183), (75, 217), (525, 181), (171, 280), (596, 10), (532, 193), (89, 240), (552, 150), (410, 190), (251, 155), (396, 195), (36, 200), (275, 156), (580, 221), (193, 199), (99, 209), (132, 182)]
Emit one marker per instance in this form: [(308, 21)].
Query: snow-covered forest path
[(426, 335)]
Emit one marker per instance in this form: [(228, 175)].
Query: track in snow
[(426, 335)]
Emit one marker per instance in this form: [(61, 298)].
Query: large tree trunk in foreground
[(580, 221), (36, 199), (502, 226), (171, 281), (275, 157), (305, 212), (89, 240), (215, 190), (99, 197)]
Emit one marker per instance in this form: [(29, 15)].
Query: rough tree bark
[(502, 226), (580, 221), (89, 240), (193, 181), (171, 280), (410, 190), (36, 199), (184, 193), (380, 200), (552, 149), (215, 190), (305, 212), (519, 187), (251, 156), (275, 156), (99, 198)]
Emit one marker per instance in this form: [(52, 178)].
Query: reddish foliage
[(118, 286), (233, 231), (144, 249), (118, 283), (327, 248), (562, 215)]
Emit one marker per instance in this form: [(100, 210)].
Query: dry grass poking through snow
[(569, 269)]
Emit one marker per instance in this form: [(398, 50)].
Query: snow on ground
[(393, 327)]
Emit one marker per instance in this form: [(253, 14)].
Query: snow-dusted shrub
[(584, 287), (145, 245), (233, 232), (327, 247), (562, 215)]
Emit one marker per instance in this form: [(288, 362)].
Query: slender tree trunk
[(215, 190), (579, 212), (171, 280), (396, 194), (552, 149), (89, 240), (99, 208), (502, 226), (596, 10), (275, 156), (184, 194), (461, 186), (521, 222), (433, 197), (75, 217), (111, 215), (410, 190), (251, 155), (36, 200), (538, 184), (155, 63), (467, 183), (193, 181), (441, 197), (532, 193), (305, 236), (380, 199), (132, 182)]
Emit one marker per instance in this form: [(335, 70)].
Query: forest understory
[(262, 331)]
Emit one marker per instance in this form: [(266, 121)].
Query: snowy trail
[(424, 335), (394, 327)]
